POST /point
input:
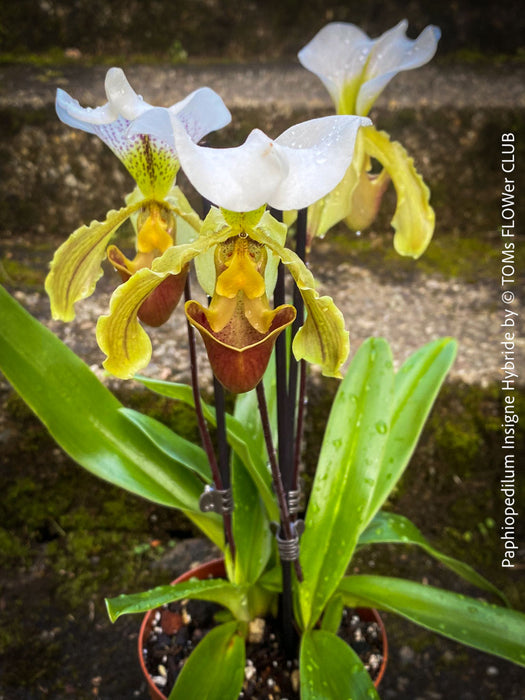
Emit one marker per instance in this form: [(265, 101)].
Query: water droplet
[(381, 427)]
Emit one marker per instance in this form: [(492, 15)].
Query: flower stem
[(223, 452), (286, 522), (290, 638), (203, 426), (300, 424), (223, 455), (297, 367)]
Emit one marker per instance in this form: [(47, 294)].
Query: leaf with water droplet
[(381, 427)]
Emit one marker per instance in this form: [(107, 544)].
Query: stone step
[(450, 118)]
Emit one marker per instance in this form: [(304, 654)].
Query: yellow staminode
[(154, 233), (242, 271)]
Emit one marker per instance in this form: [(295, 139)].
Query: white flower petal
[(71, 113), (156, 122), (394, 52), (337, 54), (122, 97), (201, 112), (318, 153), (141, 135), (238, 179), (353, 66), (298, 168)]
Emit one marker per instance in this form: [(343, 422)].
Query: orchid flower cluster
[(355, 69), (239, 327), (316, 173)]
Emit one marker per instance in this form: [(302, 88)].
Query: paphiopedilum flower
[(153, 164), (355, 69), (239, 328)]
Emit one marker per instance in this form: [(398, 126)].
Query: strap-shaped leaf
[(346, 475), (178, 448), (491, 628), (251, 529), (331, 670), (396, 529), (216, 590), (86, 421), (215, 669), (238, 437), (417, 384)]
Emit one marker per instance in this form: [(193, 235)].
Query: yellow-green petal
[(205, 262), (347, 99), (76, 265), (119, 334), (180, 206), (278, 232), (329, 210), (322, 340), (414, 218)]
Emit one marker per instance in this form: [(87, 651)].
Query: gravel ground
[(407, 312)]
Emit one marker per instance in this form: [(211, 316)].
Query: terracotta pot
[(215, 569)]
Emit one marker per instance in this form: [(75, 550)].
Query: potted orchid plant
[(243, 491)]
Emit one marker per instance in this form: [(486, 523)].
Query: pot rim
[(215, 567)]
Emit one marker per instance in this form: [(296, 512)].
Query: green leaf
[(333, 614), (86, 421), (331, 670), (238, 437), (272, 580), (347, 472), (252, 534), (490, 628), (396, 529), (417, 384), (251, 529), (215, 590), (215, 669), (187, 453)]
